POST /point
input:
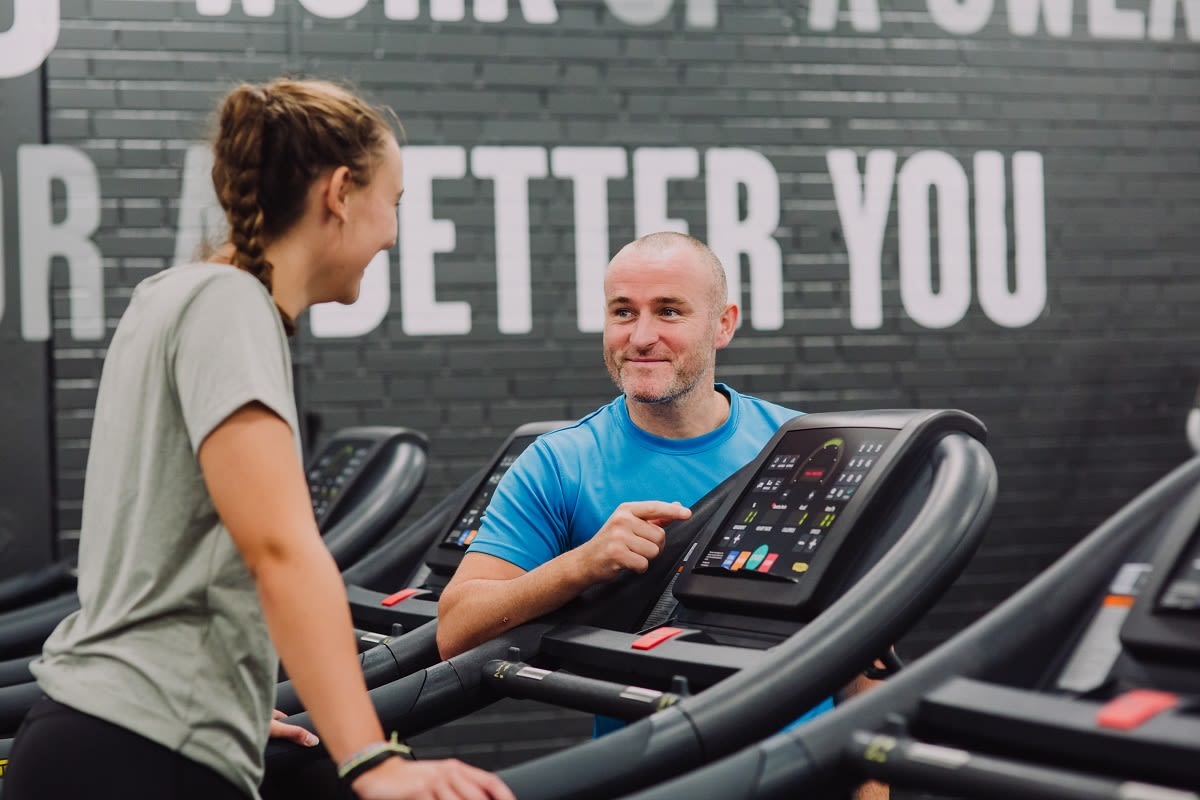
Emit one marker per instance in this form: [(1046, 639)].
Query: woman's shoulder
[(217, 285)]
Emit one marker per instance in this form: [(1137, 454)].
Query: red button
[(403, 594), (1134, 708), (654, 638)]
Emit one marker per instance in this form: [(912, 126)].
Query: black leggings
[(63, 753)]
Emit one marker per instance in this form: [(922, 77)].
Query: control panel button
[(1134, 708), (654, 638), (397, 597)]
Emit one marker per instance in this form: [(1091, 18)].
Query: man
[(562, 517), (588, 501)]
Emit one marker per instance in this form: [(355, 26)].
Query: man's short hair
[(663, 241)]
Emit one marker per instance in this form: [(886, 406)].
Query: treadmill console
[(350, 464), (445, 557), (772, 544), (1164, 623)]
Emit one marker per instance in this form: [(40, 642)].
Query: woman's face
[(370, 222)]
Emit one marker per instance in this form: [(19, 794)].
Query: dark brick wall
[(1085, 403), (26, 468)]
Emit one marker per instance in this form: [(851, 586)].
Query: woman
[(198, 545)]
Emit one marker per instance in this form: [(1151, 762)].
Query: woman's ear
[(337, 192)]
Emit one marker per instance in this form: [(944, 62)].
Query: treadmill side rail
[(1028, 724), (903, 761)]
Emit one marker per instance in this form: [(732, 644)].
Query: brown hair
[(272, 141)]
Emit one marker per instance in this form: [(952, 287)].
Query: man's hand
[(632, 536), (488, 596)]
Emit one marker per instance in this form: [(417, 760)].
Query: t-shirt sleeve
[(526, 521), (229, 352)]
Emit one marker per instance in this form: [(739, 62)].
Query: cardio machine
[(442, 535), (791, 577), (1084, 685), (361, 482), (392, 624)]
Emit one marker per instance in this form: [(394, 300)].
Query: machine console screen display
[(793, 503), (467, 527)]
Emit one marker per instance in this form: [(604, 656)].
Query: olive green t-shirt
[(170, 640)]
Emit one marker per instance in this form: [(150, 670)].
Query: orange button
[(403, 594), (1134, 708), (654, 638)]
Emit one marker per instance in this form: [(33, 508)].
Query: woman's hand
[(293, 733), (451, 779)]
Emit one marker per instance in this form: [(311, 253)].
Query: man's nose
[(645, 332)]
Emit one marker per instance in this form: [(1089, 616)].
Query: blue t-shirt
[(563, 488)]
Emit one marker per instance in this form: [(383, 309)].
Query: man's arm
[(871, 790), (488, 596)]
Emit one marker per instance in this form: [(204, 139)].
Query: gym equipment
[(791, 577), (399, 582), (36, 585), (1193, 425), (361, 482), (1080, 686), (394, 637)]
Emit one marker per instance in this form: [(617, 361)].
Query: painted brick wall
[(26, 471), (1085, 403)]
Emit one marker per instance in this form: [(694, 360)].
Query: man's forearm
[(871, 790), (476, 610)]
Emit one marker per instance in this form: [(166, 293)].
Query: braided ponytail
[(236, 174), (272, 142)]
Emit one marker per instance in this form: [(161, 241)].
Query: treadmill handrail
[(353, 534), (987, 777), (379, 568), (763, 698), (29, 587), (811, 757), (23, 630)]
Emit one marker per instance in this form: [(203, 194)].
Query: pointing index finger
[(659, 510)]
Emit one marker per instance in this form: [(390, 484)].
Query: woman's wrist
[(367, 758)]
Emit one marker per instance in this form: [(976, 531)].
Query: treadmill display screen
[(467, 527), (793, 503)]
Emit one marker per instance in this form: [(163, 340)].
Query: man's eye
[(622, 313), (670, 312)]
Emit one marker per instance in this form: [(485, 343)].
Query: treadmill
[(361, 482), (386, 590), (1083, 685), (789, 579), (1193, 424), (391, 624)]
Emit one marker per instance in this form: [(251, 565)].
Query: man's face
[(661, 329)]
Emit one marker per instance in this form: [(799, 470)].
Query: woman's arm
[(257, 485)]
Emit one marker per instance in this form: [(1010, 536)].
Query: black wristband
[(367, 764), (372, 756)]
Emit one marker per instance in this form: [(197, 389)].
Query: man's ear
[(336, 193), (726, 325)]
